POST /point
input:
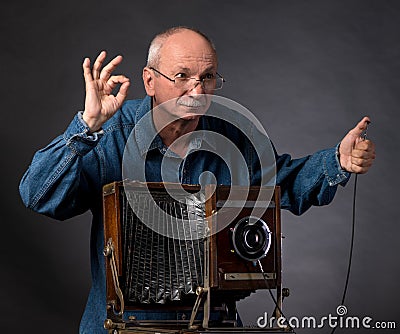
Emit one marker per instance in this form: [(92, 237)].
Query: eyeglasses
[(210, 82)]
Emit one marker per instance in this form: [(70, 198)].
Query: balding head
[(186, 36)]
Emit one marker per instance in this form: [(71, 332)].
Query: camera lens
[(251, 238)]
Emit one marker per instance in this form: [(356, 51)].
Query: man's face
[(184, 55)]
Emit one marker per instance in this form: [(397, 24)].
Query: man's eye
[(181, 76), (209, 76)]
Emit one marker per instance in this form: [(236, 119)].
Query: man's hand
[(356, 153), (100, 104)]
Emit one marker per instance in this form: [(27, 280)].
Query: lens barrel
[(251, 238)]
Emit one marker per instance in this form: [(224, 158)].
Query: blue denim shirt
[(65, 179)]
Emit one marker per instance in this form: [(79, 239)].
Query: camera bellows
[(163, 246)]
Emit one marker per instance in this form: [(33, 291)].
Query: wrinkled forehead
[(187, 47)]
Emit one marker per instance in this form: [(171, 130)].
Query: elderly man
[(66, 178)]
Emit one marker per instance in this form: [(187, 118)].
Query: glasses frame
[(197, 80)]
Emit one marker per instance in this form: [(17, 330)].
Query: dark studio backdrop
[(309, 70)]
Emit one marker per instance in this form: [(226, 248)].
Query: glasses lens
[(207, 84), (219, 82), (213, 84), (182, 83)]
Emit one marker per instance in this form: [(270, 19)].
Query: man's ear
[(148, 81)]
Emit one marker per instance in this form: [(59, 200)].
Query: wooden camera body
[(237, 252)]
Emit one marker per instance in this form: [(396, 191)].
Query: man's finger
[(117, 79), (360, 127), (359, 170), (123, 92), (363, 154), (98, 63), (362, 161), (364, 145), (110, 67), (114, 81), (87, 73)]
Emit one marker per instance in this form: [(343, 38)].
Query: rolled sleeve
[(334, 173), (78, 136)]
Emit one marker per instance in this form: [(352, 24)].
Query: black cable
[(352, 238), (351, 245), (363, 136)]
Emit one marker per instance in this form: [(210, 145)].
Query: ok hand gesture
[(100, 104)]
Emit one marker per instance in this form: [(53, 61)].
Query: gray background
[(309, 70)]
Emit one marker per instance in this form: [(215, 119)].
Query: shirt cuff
[(78, 136), (334, 173)]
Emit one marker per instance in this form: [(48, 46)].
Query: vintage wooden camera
[(172, 247)]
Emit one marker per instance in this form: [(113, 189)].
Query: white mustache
[(190, 102)]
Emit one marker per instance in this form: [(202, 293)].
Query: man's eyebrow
[(210, 69), (181, 69), (186, 69)]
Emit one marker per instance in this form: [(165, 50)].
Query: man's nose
[(197, 87)]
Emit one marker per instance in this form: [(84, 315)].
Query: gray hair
[(154, 55)]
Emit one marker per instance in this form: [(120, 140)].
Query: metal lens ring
[(251, 238)]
